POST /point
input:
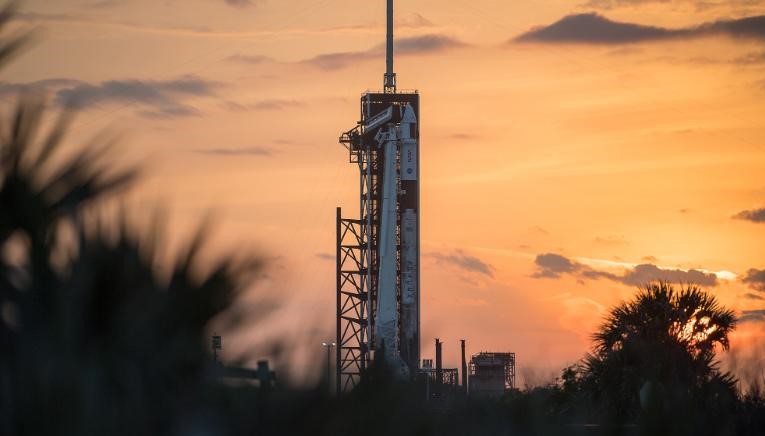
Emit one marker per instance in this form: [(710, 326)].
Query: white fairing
[(386, 336)]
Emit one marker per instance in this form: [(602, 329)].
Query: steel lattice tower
[(378, 267)]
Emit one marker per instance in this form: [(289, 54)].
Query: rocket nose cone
[(409, 116)]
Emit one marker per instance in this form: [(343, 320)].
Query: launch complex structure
[(378, 253)]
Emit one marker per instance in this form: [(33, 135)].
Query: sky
[(571, 150)]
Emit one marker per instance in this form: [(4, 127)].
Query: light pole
[(329, 346)]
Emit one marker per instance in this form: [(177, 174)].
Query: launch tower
[(378, 253)]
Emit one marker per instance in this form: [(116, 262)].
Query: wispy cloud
[(463, 136), (610, 4), (426, 44), (755, 278), (240, 3), (464, 261), (262, 105), (40, 86), (249, 59), (104, 4), (413, 20), (754, 58), (552, 266), (539, 230), (754, 215), (416, 45), (752, 315), (695, 5), (166, 112), (159, 98), (247, 151), (610, 240), (592, 28)]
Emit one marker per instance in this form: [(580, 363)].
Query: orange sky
[(609, 154)]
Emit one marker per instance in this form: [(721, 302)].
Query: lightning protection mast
[(378, 253)]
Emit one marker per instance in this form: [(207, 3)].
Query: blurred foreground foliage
[(95, 341)]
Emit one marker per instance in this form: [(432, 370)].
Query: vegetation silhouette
[(95, 340), (653, 362)]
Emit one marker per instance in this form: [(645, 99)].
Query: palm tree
[(657, 352), (94, 340)]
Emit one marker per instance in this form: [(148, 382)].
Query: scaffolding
[(491, 374), (352, 300)]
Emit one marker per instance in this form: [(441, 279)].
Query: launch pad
[(378, 253), (378, 277)]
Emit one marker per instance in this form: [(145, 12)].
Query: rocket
[(409, 199), (378, 316), (397, 320)]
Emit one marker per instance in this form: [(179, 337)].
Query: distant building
[(491, 374)]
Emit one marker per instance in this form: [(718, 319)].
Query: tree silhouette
[(94, 339), (655, 354)]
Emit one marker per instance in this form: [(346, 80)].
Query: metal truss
[(494, 360), (352, 301), (358, 264)]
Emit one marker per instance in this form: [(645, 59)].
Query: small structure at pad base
[(491, 374)]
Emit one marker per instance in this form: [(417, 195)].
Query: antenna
[(390, 76)]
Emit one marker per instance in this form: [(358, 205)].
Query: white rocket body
[(410, 246), (387, 320)]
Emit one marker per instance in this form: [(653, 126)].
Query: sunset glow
[(563, 165)]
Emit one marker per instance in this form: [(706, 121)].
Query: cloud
[(696, 5), (162, 97), (591, 28), (413, 20), (611, 240), (611, 4), (37, 16), (754, 215), (249, 59), (755, 278), (551, 265), (751, 58), (647, 272), (752, 315), (752, 296), (539, 230), (426, 44), (170, 112), (42, 86), (263, 105), (326, 256), (415, 45), (251, 151), (461, 136), (105, 4), (239, 3), (465, 262), (336, 61)]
